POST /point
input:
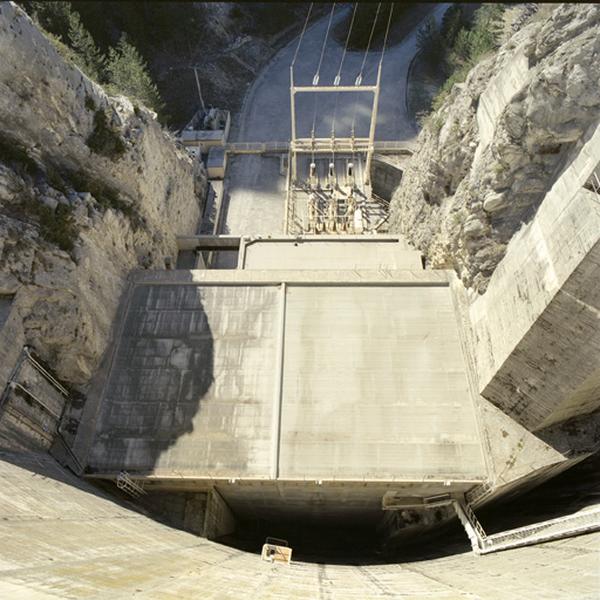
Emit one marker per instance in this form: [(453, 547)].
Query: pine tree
[(429, 39), (128, 74), (452, 22), (87, 55), (52, 16)]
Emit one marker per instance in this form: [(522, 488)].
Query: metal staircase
[(553, 529), (129, 486)]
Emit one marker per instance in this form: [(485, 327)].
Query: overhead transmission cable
[(338, 76), (373, 124), (339, 73), (316, 77), (387, 30), (300, 40), (362, 67), (302, 34), (359, 77)]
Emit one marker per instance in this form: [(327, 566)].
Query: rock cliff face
[(486, 159), (90, 188)]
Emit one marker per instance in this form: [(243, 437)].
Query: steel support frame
[(374, 89)]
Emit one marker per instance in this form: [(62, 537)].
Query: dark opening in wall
[(385, 177)]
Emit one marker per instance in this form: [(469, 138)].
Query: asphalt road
[(254, 188), (266, 111)]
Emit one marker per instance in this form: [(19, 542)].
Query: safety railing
[(593, 182), (48, 376), (474, 521), (393, 147), (129, 486), (567, 526), (478, 493), (544, 531), (319, 145), (256, 147)]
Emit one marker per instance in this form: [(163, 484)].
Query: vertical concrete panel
[(372, 397), (191, 385)]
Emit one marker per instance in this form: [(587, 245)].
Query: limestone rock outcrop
[(91, 187), (486, 159)]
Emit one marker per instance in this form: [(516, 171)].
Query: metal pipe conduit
[(45, 373), (14, 384)]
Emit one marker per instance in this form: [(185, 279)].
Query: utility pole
[(293, 166), (373, 126)]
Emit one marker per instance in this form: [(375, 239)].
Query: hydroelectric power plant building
[(320, 385)]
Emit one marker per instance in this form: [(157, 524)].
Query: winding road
[(254, 188)]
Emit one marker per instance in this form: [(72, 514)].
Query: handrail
[(13, 385), (593, 181), (44, 372), (129, 486), (551, 529)]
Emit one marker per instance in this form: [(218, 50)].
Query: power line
[(316, 77), (359, 78), (387, 30), (339, 73), (302, 33), (360, 74)]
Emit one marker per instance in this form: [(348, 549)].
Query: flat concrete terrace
[(329, 252), (281, 379), (314, 252)]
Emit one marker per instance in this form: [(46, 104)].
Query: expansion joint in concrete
[(278, 395)]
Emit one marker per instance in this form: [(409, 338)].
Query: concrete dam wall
[(399, 431), (285, 391)]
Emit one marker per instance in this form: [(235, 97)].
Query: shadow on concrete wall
[(224, 259), (162, 369)]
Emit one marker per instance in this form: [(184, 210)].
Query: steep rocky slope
[(90, 187), (487, 157)]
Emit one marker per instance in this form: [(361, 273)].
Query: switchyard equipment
[(329, 187)]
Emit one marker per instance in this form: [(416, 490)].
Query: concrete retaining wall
[(536, 328), (385, 176)]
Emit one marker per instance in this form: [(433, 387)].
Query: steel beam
[(333, 88), (208, 242)]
